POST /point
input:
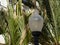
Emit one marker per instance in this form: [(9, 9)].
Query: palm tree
[(14, 23)]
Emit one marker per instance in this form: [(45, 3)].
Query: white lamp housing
[(35, 21)]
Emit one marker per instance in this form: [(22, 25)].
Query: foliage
[(14, 24)]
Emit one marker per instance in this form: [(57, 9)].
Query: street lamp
[(36, 24)]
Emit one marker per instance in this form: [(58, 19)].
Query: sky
[(2, 39), (3, 2)]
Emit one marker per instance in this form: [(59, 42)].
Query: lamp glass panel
[(35, 22)]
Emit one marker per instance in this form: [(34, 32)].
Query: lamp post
[(36, 24)]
